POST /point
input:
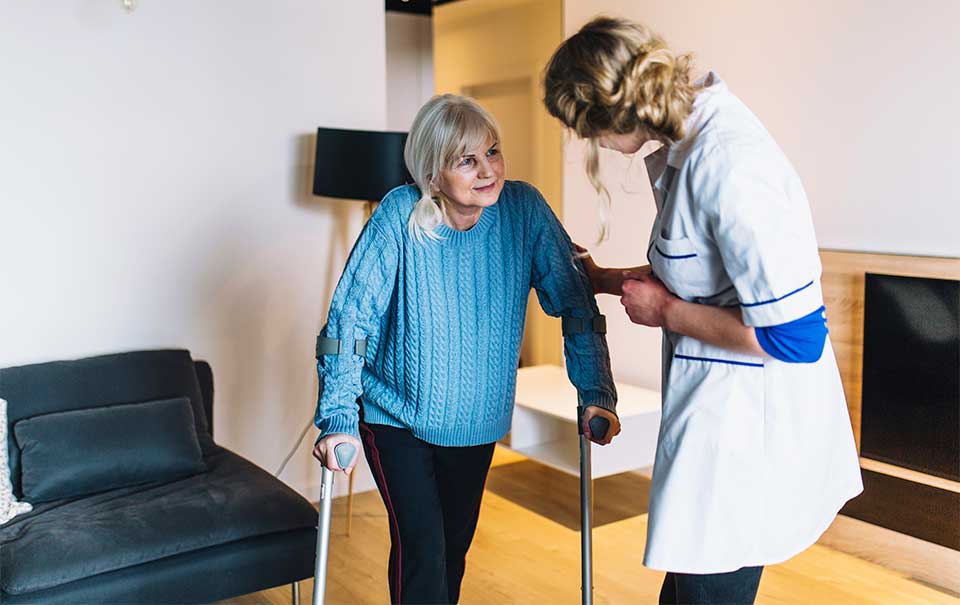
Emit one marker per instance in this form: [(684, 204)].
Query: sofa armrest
[(205, 377)]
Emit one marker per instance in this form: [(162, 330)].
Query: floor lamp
[(356, 165)]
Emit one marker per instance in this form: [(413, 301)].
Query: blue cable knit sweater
[(444, 321)]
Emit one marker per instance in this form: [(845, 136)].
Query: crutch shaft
[(586, 523), (598, 429), (323, 537), (344, 453)]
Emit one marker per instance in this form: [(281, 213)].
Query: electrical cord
[(295, 447)]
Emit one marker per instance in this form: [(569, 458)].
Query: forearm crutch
[(598, 428), (344, 453)]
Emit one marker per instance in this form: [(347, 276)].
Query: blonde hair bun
[(617, 76)]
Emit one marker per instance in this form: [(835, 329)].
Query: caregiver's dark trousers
[(733, 588), (432, 494)]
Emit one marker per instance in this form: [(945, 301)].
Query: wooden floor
[(528, 551)]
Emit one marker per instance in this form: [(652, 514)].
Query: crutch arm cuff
[(334, 346), (584, 325)]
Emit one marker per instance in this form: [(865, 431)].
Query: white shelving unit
[(545, 425)]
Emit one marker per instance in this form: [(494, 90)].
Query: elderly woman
[(427, 320)]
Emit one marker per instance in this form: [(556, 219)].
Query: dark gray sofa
[(227, 531)]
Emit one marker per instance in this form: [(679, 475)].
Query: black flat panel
[(911, 373), (910, 508)]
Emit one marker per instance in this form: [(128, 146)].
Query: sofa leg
[(296, 593)]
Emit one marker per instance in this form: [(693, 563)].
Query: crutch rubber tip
[(345, 453), (599, 427)]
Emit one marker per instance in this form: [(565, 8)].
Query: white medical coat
[(755, 456)]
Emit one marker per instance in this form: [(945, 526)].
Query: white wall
[(862, 97), (409, 67), (495, 51), (155, 191)]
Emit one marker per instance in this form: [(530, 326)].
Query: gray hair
[(444, 129)]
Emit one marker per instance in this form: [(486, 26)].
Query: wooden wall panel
[(843, 282)]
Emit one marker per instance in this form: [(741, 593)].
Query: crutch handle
[(346, 451), (599, 427)]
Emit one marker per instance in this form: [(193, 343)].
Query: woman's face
[(627, 143), (476, 178)]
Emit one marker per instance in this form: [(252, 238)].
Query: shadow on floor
[(556, 495)]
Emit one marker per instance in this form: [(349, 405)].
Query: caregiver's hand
[(647, 300), (612, 432), (325, 454)]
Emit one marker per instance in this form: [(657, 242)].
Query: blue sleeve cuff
[(799, 341), (346, 424), (599, 399)]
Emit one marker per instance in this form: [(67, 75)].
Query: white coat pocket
[(722, 385), (683, 269)]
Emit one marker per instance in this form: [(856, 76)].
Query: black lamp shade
[(416, 7), (358, 164)]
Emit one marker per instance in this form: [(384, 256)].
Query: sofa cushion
[(80, 452), (203, 576), (59, 386), (63, 541)]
